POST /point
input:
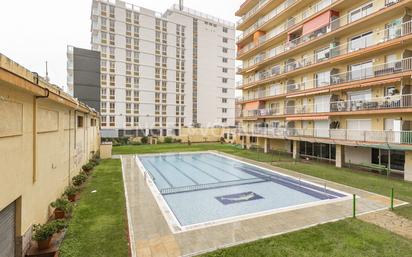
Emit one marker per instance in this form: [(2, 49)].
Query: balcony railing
[(280, 8), (330, 27), (380, 103), (336, 78), (372, 136), (250, 13), (369, 40), (290, 22)]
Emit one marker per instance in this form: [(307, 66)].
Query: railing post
[(354, 206)]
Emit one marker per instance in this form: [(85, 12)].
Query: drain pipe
[(46, 95)]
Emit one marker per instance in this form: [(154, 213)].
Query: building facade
[(45, 138), (328, 79), (162, 72), (83, 75)]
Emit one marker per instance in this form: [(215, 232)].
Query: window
[(224, 90), (322, 54), (224, 80), (224, 59), (104, 121), (224, 100), (80, 121), (224, 120), (361, 41), (93, 122), (224, 40), (360, 12), (225, 30), (224, 70), (361, 71), (112, 121), (225, 50), (322, 78), (224, 110)]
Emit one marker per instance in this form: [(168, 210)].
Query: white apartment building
[(161, 72)]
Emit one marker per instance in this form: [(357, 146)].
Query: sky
[(33, 32)]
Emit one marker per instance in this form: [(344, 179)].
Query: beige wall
[(36, 166)]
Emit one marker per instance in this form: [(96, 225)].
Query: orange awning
[(374, 83), (315, 92), (251, 106), (308, 118)]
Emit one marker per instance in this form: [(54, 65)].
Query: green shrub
[(144, 140), (178, 140), (168, 140), (63, 204), (43, 232), (71, 191), (79, 179), (88, 167)]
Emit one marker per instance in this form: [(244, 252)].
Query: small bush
[(144, 140), (168, 140), (79, 179), (71, 191), (88, 167), (178, 140), (45, 231), (63, 204)]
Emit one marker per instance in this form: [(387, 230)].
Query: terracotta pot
[(59, 214), (72, 198), (44, 244)]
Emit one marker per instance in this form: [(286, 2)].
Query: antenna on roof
[(181, 5), (47, 73)]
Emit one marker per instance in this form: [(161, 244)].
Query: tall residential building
[(328, 79), (162, 72), (83, 75)]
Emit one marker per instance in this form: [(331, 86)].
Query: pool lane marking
[(218, 180), (225, 171), (160, 173), (183, 173)]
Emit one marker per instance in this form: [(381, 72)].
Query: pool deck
[(150, 235)]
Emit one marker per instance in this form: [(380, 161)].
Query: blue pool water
[(204, 187)]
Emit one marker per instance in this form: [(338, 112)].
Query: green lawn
[(98, 226), (346, 238)]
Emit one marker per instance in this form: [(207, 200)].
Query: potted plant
[(88, 167), (62, 208), (71, 192), (43, 234), (79, 179)]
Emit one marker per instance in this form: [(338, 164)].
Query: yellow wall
[(35, 174)]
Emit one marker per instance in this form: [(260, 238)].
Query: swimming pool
[(200, 189)]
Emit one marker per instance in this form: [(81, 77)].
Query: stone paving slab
[(390, 221), (153, 237)]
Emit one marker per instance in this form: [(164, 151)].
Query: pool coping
[(174, 223)]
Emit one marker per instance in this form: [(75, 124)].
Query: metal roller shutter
[(7, 231)]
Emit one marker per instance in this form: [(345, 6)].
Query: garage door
[(7, 231)]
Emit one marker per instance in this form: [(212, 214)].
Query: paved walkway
[(152, 237), (390, 221)]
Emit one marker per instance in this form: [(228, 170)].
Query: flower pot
[(44, 244), (59, 214), (71, 198)]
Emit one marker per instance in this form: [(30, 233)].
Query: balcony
[(380, 103), (364, 136), (333, 25), (373, 39), (335, 78), (291, 21)]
